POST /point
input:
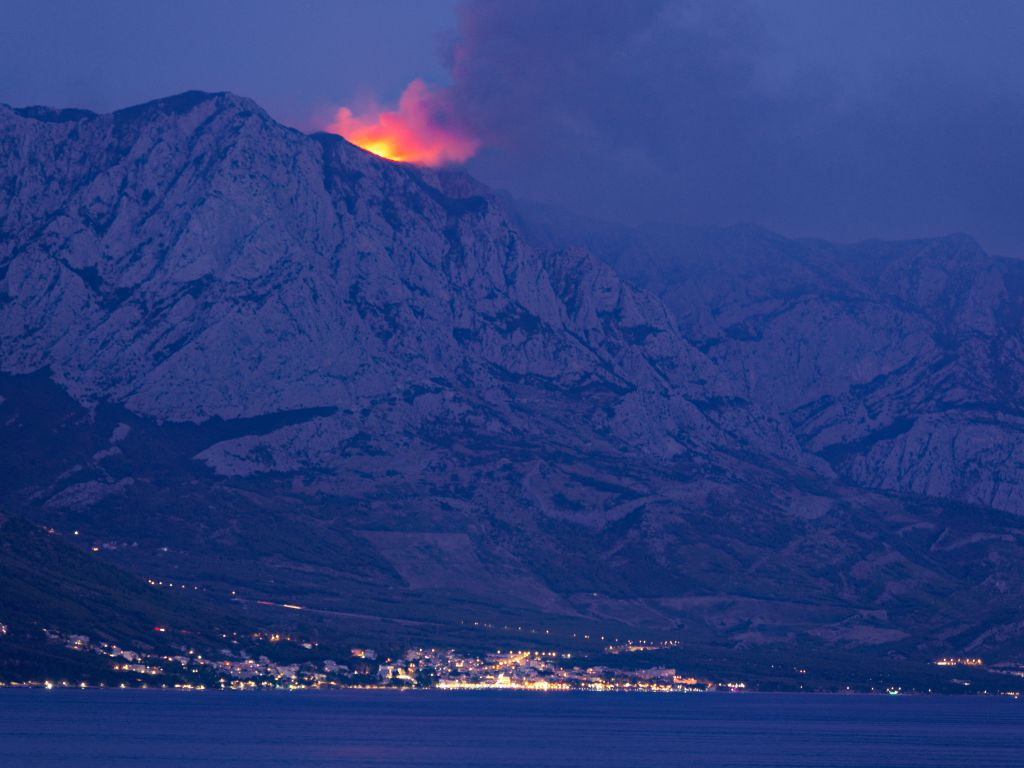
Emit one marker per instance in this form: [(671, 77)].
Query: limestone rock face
[(241, 355), (900, 364), (192, 259)]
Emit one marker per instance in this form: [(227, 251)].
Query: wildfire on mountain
[(419, 131)]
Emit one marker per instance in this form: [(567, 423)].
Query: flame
[(419, 131)]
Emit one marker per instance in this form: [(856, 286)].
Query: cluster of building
[(242, 669), (639, 646), (529, 670), (190, 669)]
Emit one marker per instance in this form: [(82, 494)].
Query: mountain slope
[(898, 363), (276, 363)]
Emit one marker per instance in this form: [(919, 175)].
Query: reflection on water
[(508, 729)]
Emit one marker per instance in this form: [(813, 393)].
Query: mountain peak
[(177, 104), (50, 115), (187, 101)]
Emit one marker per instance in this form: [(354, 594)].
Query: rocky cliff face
[(900, 364), (192, 259), (239, 354)]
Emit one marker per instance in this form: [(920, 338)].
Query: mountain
[(257, 360), (899, 363), (47, 586)]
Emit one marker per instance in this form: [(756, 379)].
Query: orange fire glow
[(414, 133)]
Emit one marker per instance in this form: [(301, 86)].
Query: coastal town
[(287, 660), (534, 670), (440, 668)]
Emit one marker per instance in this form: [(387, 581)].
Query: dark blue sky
[(837, 119)]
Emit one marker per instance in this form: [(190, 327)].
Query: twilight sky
[(846, 120)]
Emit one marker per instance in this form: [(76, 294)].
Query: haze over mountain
[(251, 357), (899, 363)]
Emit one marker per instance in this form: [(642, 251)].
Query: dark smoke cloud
[(847, 121), (839, 118)]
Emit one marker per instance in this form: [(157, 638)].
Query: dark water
[(432, 728)]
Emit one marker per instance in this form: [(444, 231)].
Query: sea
[(441, 729)]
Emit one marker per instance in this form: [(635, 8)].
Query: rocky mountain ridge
[(900, 364), (278, 363)]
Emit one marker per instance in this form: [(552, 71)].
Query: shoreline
[(461, 691)]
